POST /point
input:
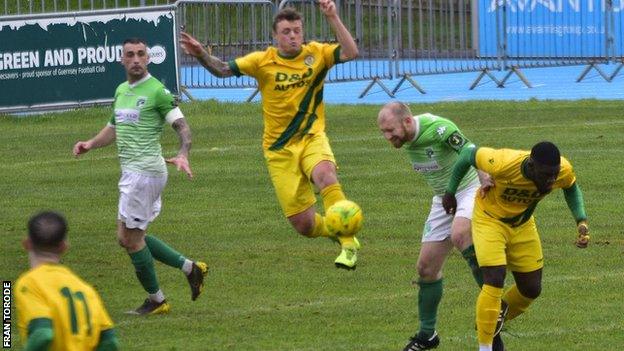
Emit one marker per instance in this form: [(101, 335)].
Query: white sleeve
[(174, 115)]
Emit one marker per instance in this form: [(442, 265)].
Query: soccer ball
[(344, 218)]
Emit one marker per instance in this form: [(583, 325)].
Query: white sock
[(158, 297), (485, 347), (187, 266)]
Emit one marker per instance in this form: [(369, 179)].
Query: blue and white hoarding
[(549, 28)]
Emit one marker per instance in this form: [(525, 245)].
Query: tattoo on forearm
[(184, 133), (215, 66)]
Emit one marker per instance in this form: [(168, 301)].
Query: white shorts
[(438, 224), (139, 198)]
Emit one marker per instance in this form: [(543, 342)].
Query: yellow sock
[(319, 227), (347, 242), (517, 302), (321, 230), (332, 194), (488, 308)]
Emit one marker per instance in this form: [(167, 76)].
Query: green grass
[(270, 289)]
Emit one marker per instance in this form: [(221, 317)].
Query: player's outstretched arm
[(486, 181), (574, 198), (461, 167), (348, 47), (213, 64), (103, 138), (181, 160)]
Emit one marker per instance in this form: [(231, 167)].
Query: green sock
[(471, 259), (429, 296), (163, 252), (144, 268)]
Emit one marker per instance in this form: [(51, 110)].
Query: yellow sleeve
[(566, 177), (329, 52), (489, 160), (30, 304), (247, 65), (105, 320)]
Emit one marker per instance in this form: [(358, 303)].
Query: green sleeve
[(454, 137), (574, 199), (234, 68), (108, 341), (337, 55), (40, 335), (112, 120), (165, 101), (462, 165)]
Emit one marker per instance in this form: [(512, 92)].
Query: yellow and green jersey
[(140, 111), (291, 88), (51, 295), (514, 197)]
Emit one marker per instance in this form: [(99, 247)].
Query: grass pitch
[(271, 289)]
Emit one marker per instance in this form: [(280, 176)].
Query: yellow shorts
[(498, 244), (291, 170)]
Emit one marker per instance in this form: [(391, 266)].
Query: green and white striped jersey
[(140, 110), (435, 149)]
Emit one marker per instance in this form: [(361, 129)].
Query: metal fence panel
[(19, 7), (443, 36), (230, 29), (396, 38), (368, 21)]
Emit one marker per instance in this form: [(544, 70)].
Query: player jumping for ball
[(297, 152)]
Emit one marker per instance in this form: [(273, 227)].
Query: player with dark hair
[(142, 106), (433, 144), (290, 78), (503, 227), (56, 309)]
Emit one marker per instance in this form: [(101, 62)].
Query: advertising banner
[(70, 59), (548, 28)]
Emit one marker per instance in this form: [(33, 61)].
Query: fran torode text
[(6, 314)]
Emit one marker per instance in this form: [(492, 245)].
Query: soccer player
[(433, 145), (503, 226), (290, 78), (56, 309), (142, 105)]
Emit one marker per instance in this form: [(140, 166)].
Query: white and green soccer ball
[(344, 218)]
